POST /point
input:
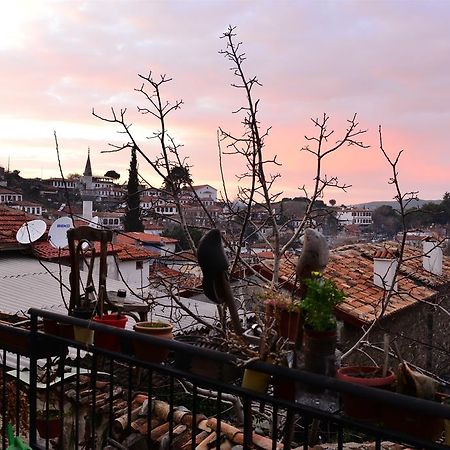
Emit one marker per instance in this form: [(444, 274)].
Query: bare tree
[(250, 145)]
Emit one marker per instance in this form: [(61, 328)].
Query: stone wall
[(413, 329)]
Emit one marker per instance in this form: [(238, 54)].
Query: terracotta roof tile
[(10, 221), (44, 250), (351, 267), (133, 237)]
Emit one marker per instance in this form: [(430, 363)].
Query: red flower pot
[(288, 323), (51, 428), (358, 407), (104, 339)]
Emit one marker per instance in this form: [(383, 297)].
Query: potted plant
[(415, 423), (152, 353), (322, 296), (285, 311), (48, 423), (84, 310), (364, 409)]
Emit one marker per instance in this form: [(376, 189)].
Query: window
[(116, 221), (139, 265)]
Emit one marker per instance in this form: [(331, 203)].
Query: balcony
[(108, 398)]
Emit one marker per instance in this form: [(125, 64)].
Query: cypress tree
[(133, 221)]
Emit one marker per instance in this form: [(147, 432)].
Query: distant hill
[(376, 204)]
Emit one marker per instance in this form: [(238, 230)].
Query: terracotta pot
[(320, 351), (64, 330), (217, 370), (152, 353), (106, 340), (51, 428), (284, 388), (288, 323), (358, 407), (447, 431), (414, 423)]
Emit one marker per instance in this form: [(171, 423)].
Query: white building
[(9, 196), (355, 216)]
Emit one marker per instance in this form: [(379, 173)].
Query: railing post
[(33, 378)]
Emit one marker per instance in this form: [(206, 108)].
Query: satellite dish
[(57, 235), (31, 231), (93, 223)]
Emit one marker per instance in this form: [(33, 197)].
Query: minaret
[(86, 191)]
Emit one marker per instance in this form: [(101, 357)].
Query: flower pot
[(216, 370), (447, 431), (320, 351), (83, 334), (358, 407), (64, 330), (284, 388), (51, 428), (288, 322), (255, 380), (413, 423), (152, 352), (104, 339)]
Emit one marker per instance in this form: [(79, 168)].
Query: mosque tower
[(87, 193)]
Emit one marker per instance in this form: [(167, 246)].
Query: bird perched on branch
[(214, 264)]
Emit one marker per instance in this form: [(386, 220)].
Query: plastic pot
[(105, 340)]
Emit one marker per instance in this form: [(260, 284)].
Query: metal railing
[(109, 396)]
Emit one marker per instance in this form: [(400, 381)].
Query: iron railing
[(109, 396)]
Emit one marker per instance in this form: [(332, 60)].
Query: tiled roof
[(183, 280), (5, 190), (186, 255), (135, 236), (10, 221), (164, 424), (351, 267), (127, 252), (44, 250)]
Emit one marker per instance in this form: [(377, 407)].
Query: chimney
[(432, 256), (384, 267)]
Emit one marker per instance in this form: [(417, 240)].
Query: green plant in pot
[(322, 296)]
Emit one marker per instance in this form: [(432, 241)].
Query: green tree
[(178, 177), (133, 220), (178, 233), (112, 174), (386, 220)]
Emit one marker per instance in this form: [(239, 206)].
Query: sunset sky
[(388, 61)]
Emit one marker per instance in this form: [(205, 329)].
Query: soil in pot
[(358, 407), (106, 340), (152, 352)]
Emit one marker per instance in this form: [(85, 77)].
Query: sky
[(387, 61)]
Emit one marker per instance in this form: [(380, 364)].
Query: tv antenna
[(31, 231), (57, 235)]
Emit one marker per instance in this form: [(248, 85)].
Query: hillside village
[(161, 277)]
